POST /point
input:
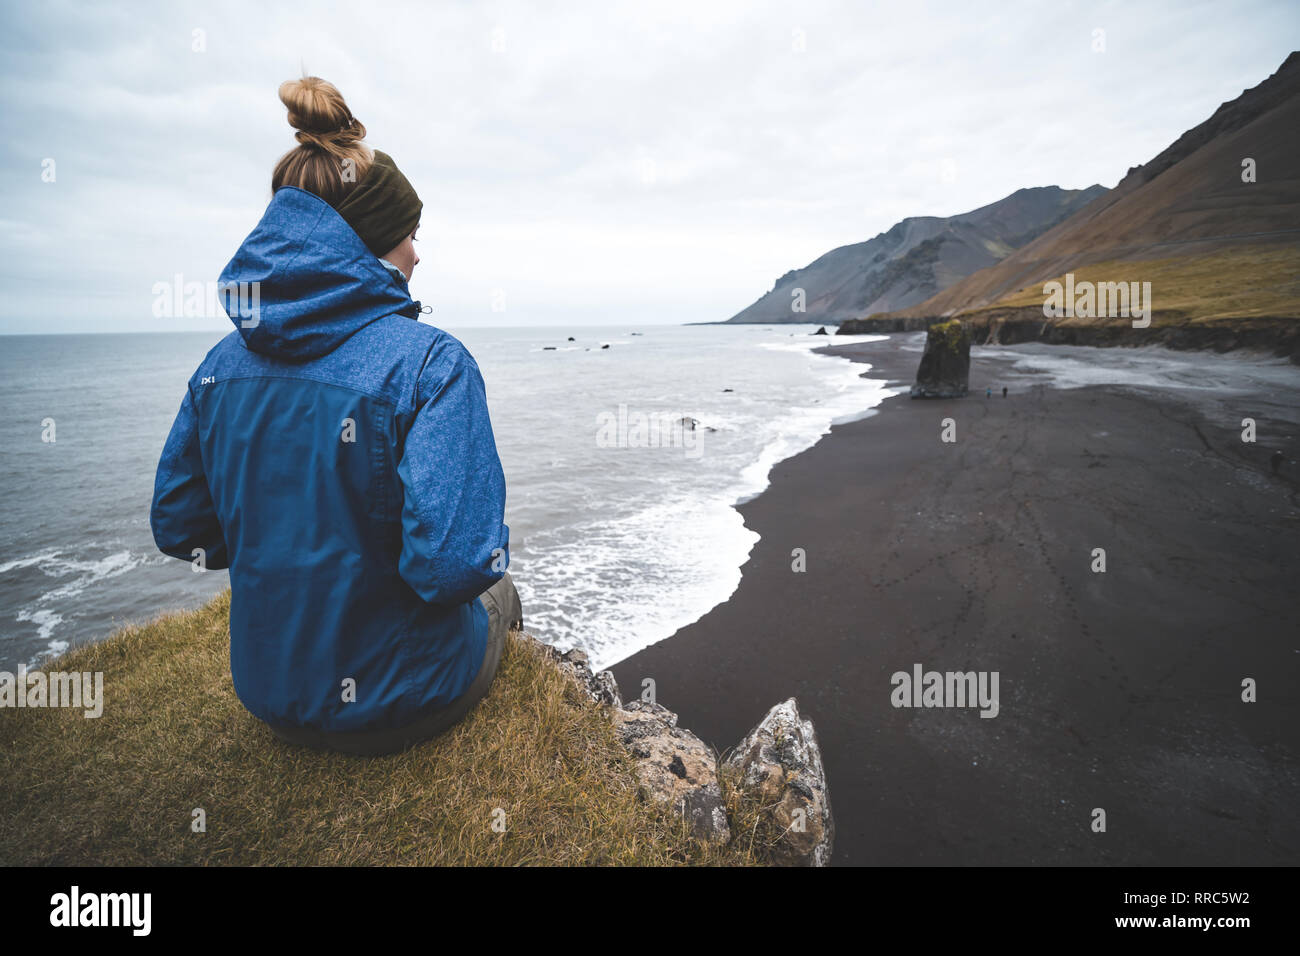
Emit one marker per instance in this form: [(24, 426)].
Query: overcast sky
[(596, 162)]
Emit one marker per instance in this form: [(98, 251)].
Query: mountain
[(915, 258), (1222, 254)]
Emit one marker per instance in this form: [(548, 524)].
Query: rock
[(602, 688), (571, 338), (674, 767), (876, 326), (780, 764), (821, 331), (546, 649), (945, 366)]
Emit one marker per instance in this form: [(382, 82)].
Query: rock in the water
[(674, 766), (945, 366), (779, 762), (821, 331)]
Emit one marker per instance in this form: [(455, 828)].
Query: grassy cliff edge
[(1246, 298), (536, 755)]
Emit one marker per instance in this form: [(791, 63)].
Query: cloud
[(602, 162)]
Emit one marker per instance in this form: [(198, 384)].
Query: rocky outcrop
[(674, 767), (1279, 336), (601, 687), (945, 365), (780, 763), (883, 326)]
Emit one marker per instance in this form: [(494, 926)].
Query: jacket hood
[(303, 281)]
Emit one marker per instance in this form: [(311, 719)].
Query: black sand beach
[(1119, 690)]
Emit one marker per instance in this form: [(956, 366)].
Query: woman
[(336, 455)]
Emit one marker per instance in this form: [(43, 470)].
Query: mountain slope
[(914, 259), (1189, 201)]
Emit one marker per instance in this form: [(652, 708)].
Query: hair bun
[(320, 115), (331, 158)]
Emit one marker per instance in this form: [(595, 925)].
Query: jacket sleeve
[(182, 517), (455, 544)]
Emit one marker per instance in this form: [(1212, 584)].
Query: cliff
[(1238, 299), (550, 768), (914, 259), (1211, 223)]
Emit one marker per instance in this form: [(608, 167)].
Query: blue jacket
[(336, 455)]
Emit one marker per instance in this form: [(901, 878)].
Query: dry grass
[(1254, 282), (120, 789)]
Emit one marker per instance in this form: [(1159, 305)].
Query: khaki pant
[(504, 612)]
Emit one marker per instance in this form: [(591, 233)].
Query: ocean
[(623, 468)]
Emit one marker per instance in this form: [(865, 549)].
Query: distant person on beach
[(336, 455), (1004, 391)]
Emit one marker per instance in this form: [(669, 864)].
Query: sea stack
[(945, 366)]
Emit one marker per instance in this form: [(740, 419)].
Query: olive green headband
[(383, 209)]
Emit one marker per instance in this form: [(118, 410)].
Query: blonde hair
[(330, 158)]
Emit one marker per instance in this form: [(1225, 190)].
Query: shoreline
[(1116, 691), (64, 588)]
